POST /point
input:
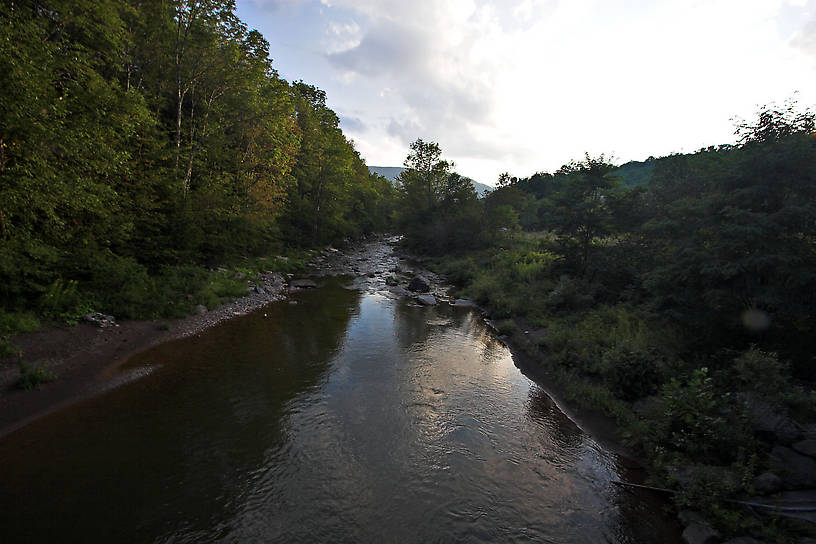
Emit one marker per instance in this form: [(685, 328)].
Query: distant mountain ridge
[(392, 172), (636, 173)]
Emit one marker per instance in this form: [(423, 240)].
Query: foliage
[(694, 420), (668, 303), (438, 209), (633, 373), (12, 323), (32, 377), (139, 139), (63, 301)]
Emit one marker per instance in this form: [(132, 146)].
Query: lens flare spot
[(755, 320)]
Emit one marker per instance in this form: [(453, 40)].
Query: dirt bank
[(83, 357)]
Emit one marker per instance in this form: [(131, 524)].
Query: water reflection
[(171, 454), (346, 418)]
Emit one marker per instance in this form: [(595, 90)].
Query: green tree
[(579, 210)]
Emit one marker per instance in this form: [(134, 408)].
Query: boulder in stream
[(419, 284)]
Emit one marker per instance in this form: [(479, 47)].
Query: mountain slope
[(392, 172)]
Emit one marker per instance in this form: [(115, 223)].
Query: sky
[(525, 86)]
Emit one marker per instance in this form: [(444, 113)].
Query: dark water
[(350, 417)]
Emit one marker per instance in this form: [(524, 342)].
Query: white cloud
[(526, 85), (342, 36)]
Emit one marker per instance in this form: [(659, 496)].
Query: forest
[(682, 307), (142, 144), (149, 152)]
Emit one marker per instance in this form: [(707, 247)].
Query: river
[(354, 415)]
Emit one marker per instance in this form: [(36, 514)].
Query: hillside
[(391, 173), (636, 173)]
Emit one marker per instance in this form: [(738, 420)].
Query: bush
[(63, 301), (633, 373), (694, 421), (763, 373), (31, 376), (12, 323), (18, 322), (583, 339), (569, 294)]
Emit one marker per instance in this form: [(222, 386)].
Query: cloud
[(275, 4), (405, 132), (352, 124), (526, 85), (805, 39), (387, 48), (342, 36)]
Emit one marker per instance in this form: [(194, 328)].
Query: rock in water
[(419, 284), (427, 300)]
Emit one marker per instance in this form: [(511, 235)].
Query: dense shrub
[(633, 373), (694, 420)]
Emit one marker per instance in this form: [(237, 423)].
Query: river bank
[(356, 414), (84, 357)]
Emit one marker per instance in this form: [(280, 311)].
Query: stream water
[(353, 416)]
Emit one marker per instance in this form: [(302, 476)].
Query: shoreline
[(85, 358)]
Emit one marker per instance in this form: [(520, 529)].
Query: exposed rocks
[(687, 517), (100, 320), (806, 447), (464, 303), (200, 309), (770, 423), (419, 284), (427, 300), (797, 471), (257, 289), (809, 431), (274, 280), (767, 483), (700, 533), (401, 291)]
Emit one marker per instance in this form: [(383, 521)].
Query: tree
[(426, 174), (579, 212), (439, 208)]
